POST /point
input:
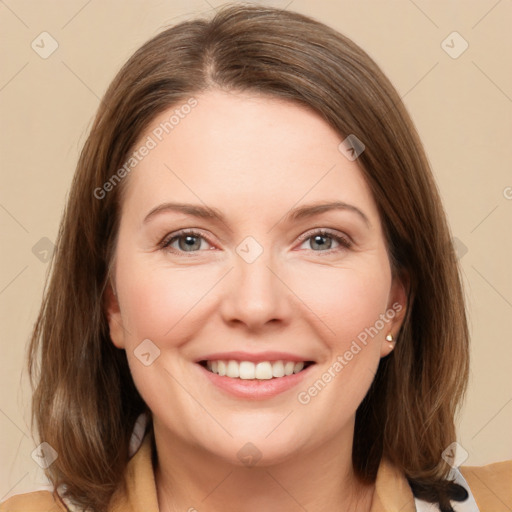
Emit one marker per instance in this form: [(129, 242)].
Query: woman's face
[(264, 278)]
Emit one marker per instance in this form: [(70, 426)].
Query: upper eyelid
[(327, 231), (183, 232)]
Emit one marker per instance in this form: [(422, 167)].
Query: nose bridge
[(256, 294)]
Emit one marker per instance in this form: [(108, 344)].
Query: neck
[(190, 479)]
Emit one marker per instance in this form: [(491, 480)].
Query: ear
[(113, 313), (396, 311)]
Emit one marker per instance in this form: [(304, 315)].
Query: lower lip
[(254, 389)]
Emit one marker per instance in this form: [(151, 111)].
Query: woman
[(255, 303)]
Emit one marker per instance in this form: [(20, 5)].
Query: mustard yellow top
[(491, 486)]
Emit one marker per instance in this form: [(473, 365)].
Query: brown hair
[(85, 402)]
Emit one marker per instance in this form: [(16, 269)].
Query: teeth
[(278, 369), (289, 367), (247, 370), (263, 370), (233, 370)]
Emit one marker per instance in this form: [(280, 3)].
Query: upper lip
[(254, 357)]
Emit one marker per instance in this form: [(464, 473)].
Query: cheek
[(351, 304), (346, 301), (160, 301)]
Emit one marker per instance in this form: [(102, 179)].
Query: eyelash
[(344, 242)]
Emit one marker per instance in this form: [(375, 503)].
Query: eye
[(188, 241), (191, 241), (322, 239)]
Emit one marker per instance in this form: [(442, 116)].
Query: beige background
[(462, 108)]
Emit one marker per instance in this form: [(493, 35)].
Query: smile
[(247, 370), (254, 380)]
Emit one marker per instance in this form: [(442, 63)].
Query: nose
[(255, 294)]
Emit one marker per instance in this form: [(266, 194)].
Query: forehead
[(245, 152)]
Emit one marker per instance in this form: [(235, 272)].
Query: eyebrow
[(298, 213)]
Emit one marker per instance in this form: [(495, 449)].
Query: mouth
[(249, 370), (254, 380)]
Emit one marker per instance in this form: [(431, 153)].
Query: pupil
[(320, 237), (190, 241)]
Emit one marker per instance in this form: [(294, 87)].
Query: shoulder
[(38, 501), (490, 485)]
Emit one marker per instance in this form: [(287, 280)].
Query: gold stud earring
[(389, 338)]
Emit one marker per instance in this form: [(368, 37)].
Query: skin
[(253, 158)]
